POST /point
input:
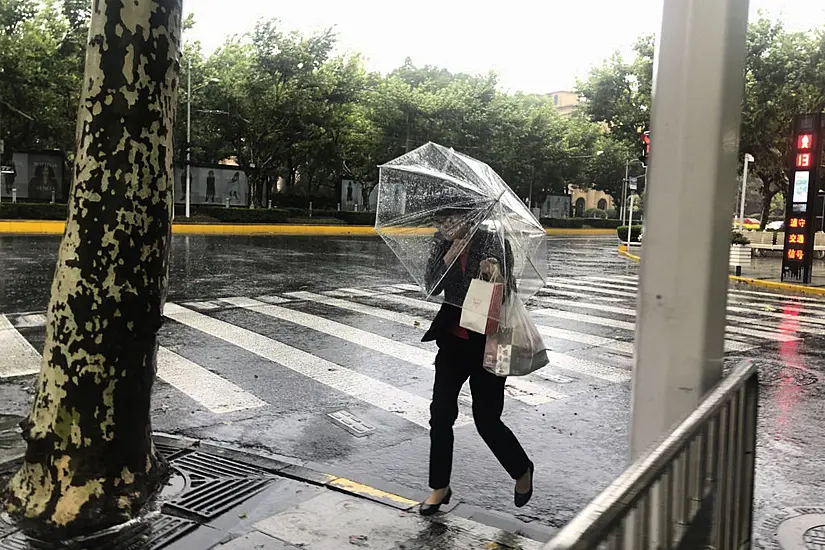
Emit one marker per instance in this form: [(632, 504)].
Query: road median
[(55, 227)]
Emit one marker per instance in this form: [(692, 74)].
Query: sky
[(536, 46)]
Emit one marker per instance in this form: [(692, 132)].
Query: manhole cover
[(800, 528), (168, 451), (815, 538)]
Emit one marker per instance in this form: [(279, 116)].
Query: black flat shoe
[(522, 499), (432, 509)]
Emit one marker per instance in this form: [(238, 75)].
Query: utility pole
[(696, 116)]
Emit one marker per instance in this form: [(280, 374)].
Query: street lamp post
[(189, 129), (748, 159)]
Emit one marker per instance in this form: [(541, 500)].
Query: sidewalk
[(224, 499), (764, 272), (769, 269)]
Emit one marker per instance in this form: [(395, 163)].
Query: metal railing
[(694, 490)]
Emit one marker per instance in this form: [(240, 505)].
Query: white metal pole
[(744, 189), (188, 133), (630, 223), (696, 116), (624, 187)]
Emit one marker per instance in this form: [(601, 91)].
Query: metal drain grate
[(167, 529), (15, 541), (211, 466), (170, 452), (217, 496), (158, 532)]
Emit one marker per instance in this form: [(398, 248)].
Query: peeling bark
[(90, 462)]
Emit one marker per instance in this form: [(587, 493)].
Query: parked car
[(776, 226)]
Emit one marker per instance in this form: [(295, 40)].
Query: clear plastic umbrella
[(437, 207)]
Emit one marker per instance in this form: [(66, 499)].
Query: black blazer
[(456, 283)]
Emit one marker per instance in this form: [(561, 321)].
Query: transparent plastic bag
[(517, 348)]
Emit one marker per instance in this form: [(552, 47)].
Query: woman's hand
[(455, 251), (490, 270)]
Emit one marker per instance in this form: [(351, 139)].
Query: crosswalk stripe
[(775, 315), (395, 299), (780, 327), (370, 390), (589, 339), (402, 318), (730, 345), (18, 357), (207, 388), (581, 296), (272, 299), (604, 372), (408, 287), (527, 392), (386, 346), (584, 318), (581, 288)]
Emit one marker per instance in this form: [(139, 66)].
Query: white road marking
[(17, 356), (526, 392), (370, 390), (207, 388), (581, 296), (571, 285), (374, 342), (395, 299), (402, 318), (31, 320), (408, 287), (273, 299), (730, 345), (604, 372), (589, 339)]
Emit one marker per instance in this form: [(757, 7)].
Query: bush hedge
[(635, 232), (595, 213), (579, 223), (32, 211)]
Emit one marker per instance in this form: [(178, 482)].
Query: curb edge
[(774, 285)]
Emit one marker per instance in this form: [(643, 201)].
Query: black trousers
[(458, 360)]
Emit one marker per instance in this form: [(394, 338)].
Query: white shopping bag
[(481, 310), (516, 349)]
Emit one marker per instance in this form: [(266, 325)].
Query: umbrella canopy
[(435, 204)]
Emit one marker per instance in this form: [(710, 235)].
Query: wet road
[(266, 337)]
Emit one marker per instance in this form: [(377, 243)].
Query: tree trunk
[(767, 198), (90, 461)]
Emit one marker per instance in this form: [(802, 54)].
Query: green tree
[(618, 93), (41, 64), (90, 461), (782, 79)]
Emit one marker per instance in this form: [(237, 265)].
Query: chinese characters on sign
[(804, 186)]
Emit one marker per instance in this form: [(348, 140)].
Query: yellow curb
[(32, 227), (370, 492), (773, 285), (270, 229), (623, 252)]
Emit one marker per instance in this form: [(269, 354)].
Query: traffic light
[(804, 183), (645, 148)]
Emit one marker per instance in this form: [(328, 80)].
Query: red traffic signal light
[(805, 142)]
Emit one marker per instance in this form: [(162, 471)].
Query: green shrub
[(595, 213), (32, 211), (579, 223), (738, 238), (356, 218), (635, 232), (289, 200), (240, 215)]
